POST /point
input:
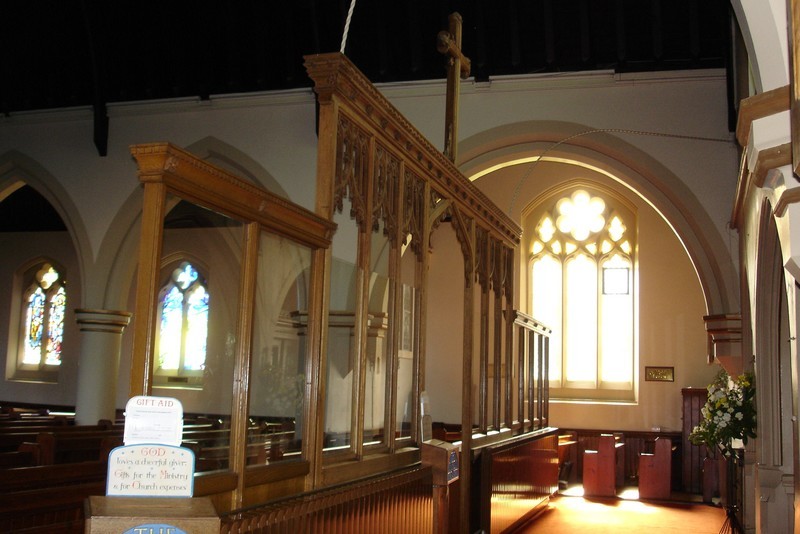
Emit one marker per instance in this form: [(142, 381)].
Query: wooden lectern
[(115, 515)]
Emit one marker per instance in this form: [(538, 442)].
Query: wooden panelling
[(515, 480), (693, 455), (398, 502)]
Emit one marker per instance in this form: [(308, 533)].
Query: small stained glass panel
[(34, 327), (55, 327)]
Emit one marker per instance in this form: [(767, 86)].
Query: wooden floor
[(570, 512)]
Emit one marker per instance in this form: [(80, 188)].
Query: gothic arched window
[(582, 286), (44, 303), (183, 331)]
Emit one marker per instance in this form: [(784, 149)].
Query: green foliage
[(729, 413)]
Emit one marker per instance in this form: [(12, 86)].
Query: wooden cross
[(449, 44)]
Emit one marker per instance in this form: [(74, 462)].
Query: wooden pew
[(17, 459), (261, 448), (47, 510), (567, 451), (600, 467), (655, 471), (17, 427), (71, 448), (48, 498), (12, 437), (26, 478)]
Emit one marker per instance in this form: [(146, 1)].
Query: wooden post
[(449, 43), (153, 210)]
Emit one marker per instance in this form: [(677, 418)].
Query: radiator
[(400, 503)]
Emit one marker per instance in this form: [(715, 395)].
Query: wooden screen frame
[(165, 169)]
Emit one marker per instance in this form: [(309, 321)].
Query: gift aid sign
[(153, 420)]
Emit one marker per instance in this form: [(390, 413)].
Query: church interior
[(415, 267)]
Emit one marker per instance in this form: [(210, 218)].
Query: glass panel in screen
[(492, 370), (407, 332), (278, 367), (199, 292), (341, 341), (378, 338)]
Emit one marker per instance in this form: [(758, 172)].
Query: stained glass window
[(184, 322), (45, 304)]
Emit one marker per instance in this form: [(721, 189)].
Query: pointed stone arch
[(527, 144), (18, 169)]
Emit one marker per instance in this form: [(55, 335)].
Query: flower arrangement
[(729, 413)]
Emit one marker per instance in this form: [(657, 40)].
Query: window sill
[(614, 402), (35, 377)]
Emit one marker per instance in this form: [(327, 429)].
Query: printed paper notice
[(153, 420), (149, 470)]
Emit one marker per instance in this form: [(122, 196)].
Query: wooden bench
[(260, 449), (567, 447), (71, 448), (27, 478), (62, 447), (48, 498), (601, 467), (47, 509), (28, 425), (655, 471), (12, 437), (21, 458)]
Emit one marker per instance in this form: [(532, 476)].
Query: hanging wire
[(600, 130), (347, 25)]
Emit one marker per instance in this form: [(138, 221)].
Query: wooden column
[(240, 411), (465, 477), (145, 310)]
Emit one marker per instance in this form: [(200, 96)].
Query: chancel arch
[(511, 158), (677, 246)]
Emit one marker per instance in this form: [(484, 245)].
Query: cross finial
[(458, 65)]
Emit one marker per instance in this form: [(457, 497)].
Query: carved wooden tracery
[(386, 190), (352, 170), (413, 211)]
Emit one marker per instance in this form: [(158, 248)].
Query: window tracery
[(582, 286)]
